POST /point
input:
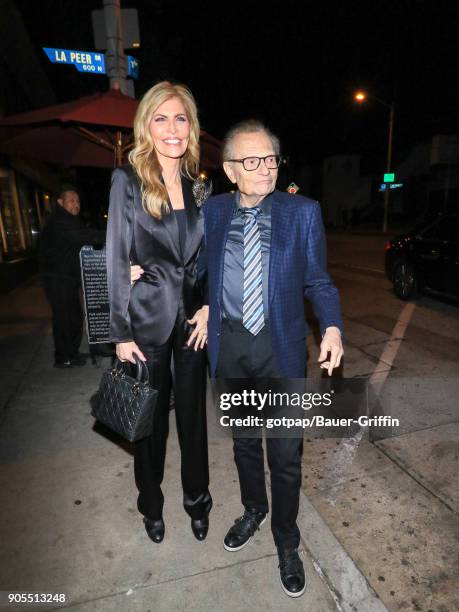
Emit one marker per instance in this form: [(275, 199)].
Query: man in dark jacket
[(60, 244)]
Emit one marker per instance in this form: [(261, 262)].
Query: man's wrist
[(331, 328)]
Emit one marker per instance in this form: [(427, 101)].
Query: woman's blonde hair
[(143, 156)]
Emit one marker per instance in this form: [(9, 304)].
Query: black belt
[(234, 325)]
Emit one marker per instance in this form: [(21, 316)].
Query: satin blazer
[(147, 311)]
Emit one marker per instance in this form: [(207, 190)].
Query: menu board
[(95, 291)]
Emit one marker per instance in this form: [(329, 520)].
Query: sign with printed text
[(133, 67), (84, 61), (385, 186), (95, 292)]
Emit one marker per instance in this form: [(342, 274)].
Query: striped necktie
[(252, 302)]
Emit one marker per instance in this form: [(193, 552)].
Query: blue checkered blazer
[(297, 268)]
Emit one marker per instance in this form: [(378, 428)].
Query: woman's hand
[(136, 273), (199, 335), (125, 351)]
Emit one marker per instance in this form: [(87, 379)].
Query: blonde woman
[(154, 222)]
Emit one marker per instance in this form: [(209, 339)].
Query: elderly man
[(263, 252)]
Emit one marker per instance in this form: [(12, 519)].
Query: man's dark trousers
[(243, 355), (63, 295)]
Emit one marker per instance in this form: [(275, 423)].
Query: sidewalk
[(69, 521)]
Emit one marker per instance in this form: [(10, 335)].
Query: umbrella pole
[(119, 149)]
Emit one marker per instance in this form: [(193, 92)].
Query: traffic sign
[(389, 178), (293, 188), (133, 67), (385, 186), (84, 61)]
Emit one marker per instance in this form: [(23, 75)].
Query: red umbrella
[(91, 131)]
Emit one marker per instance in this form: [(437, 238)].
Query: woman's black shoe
[(200, 528), (154, 529)]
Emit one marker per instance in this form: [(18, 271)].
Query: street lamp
[(361, 97)]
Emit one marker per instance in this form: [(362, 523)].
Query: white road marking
[(393, 344)]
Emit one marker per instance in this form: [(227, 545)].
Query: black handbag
[(126, 404)]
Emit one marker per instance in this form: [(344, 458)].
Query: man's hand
[(199, 335), (331, 343), (136, 273), (125, 351)]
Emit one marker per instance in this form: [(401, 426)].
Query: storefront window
[(9, 222), (28, 204), (23, 209)]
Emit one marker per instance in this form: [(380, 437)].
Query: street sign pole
[(388, 169), (115, 57), (108, 33)]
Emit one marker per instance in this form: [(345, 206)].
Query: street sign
[(389, 178), (385, 186), (293, 188), (133, 67), (84, 61)]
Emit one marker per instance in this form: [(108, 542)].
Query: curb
[(348, 586)]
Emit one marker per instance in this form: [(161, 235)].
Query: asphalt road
[(371, 310)]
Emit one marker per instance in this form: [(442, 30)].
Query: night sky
[(292, 64)]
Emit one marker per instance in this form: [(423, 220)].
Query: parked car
[(425, 259)]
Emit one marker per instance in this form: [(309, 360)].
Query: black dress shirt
[(233, 270)]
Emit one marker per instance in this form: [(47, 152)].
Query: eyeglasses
[(252, 163)]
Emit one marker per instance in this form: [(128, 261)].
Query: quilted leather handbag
[(126, 404)]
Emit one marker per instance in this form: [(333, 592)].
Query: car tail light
[(387, 246)]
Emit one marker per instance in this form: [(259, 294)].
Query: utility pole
[(116, 61), (361, 97), (388, 166), (116, 29)]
